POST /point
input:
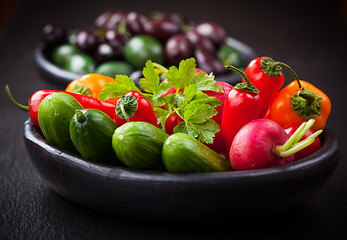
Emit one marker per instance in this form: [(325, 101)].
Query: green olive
[(113, 68), (62, 53), (141, 48), (228, 55), (80, 63)]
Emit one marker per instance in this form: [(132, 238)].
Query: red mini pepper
[(266, 75), (85, 101), (134, 107), (267, 78), (241, 105)]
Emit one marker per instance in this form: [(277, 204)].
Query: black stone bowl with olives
[(120, 42)]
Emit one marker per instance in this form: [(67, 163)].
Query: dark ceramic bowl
[(51, 72), (162, 196)]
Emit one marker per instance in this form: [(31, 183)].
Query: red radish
[(262, 143), (309, 150)]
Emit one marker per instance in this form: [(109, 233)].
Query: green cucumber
[(91, 133), (184, 154), (138, 145), (54, 115)]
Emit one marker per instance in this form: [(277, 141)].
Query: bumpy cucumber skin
[(139, 144), (184, 154), (54, 115), (92, 137)]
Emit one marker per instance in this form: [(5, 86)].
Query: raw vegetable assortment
[(182, 120), (120, 42)]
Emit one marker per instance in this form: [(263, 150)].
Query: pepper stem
[(273, 64), (20, 106), (247, 86), (126, 107), (292, 145), (125, 115), (291, 71)]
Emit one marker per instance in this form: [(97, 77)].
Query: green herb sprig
[(194, 106)]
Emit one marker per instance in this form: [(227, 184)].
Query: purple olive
[(208, 62), (86, 40), (116, 40), (135, 22), (161, 29), (177, 48), (104, 52), (103, 18), (100, 35), (171, 17), (53, 34), (213, 31), (114, 20), (200, 41)]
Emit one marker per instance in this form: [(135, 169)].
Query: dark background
[(310, 36)]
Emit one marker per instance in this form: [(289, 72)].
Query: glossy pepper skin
[(282, 108), (171, 122), (133, 107), (266, 75), (218, 144), (91, 85), (85, 101), (241, 106)]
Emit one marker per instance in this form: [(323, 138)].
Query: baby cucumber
[(91, 133), (138, 145), (54, 115), (184, 154)]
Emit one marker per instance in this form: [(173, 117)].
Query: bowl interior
[(49, 71)]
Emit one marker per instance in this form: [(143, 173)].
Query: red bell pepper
[(134, 107), (85, 101), (241, 105)]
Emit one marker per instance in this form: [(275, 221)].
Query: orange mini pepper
[(296, 104), (91, 85)]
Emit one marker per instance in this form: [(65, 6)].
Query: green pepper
[(141, 48)]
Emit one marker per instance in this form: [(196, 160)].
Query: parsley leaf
[(181, 77), (121, 86), (194, 106), (150, 82), (206, 82), (197, 120), (197, 113)]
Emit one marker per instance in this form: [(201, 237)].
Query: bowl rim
[(321, 158), (60, 75)]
